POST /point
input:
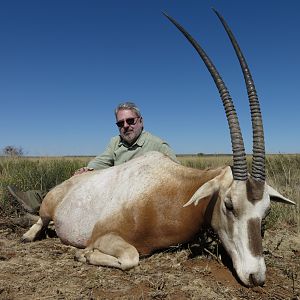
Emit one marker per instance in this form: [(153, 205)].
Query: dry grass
[(46, 269), (39, 173)]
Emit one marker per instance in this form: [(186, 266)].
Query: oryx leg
[(110, 250), (46, 213), (36, 230)]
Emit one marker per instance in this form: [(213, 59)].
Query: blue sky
[(65, 65)]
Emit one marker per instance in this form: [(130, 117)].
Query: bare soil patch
[(46, 269)]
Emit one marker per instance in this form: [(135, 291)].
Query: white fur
[(102, 194), (237, 241)]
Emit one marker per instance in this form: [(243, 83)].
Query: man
[(131, 142)]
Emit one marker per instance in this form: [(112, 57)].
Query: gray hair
[(128, 105)]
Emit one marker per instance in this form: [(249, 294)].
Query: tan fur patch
[(254, 236), (160, 220), (255, 190), (53, 198)]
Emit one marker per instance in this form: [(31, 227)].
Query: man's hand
[(82, 170)]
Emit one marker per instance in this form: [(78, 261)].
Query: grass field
[(43, 173)]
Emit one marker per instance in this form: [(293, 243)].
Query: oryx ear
[(277, 197), (207, 189), (211, 186)]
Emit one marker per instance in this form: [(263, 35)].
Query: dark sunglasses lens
[(130, 121), (120, 123)]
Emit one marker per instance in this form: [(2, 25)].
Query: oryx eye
[(228, 205)]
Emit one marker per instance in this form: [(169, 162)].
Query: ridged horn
[(258, 162), (239, 169)]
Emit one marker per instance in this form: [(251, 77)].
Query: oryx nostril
[(251, 280), (255, 280)]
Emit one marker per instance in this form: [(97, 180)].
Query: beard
[(130, 136)]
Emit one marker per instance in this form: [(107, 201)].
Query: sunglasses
[(129, 121)]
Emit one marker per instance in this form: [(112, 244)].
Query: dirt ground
[(46, 269)]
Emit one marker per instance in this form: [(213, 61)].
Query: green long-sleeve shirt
[(118, 152)]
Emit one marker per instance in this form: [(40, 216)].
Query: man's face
[(129, 132)]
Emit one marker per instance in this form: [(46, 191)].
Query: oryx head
[(242, 200)]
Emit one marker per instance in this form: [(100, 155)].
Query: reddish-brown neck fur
[(160, 220)]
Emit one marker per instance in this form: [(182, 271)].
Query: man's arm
[(102, 161)]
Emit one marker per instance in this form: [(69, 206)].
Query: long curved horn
[(258, 163), (239, 156)]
